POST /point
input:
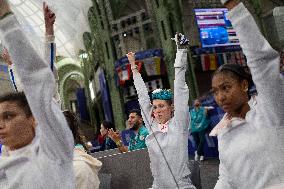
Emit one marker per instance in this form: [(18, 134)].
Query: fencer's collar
[(226, 124), (164, 127)]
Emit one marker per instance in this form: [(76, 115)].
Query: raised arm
[(38, 83), (181, 92), (12, 72), (49, 51), (143, 97), (50, 45), (262, 59)]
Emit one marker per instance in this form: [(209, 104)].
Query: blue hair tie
[(162, 94)]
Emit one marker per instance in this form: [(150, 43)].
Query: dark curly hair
[(237, 72), (20, 99), (74, 125)]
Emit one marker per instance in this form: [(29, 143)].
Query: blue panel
[(105, 98), (82, 104), (214, 28)]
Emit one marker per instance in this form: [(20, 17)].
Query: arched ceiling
[(71, 22)]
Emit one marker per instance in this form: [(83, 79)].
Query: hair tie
[(162, 94)]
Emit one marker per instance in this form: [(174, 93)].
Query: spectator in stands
[(137, 141), (168, 139), (85, 167), (198, 125), (38, 143), (107, 142), (100, 139), (250, 138), (74, 125)]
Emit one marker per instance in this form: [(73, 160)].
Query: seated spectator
[(137, 141), (100, 139), (126, 135), (86, 167), (107, 143)]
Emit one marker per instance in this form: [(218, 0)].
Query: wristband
[(49, 38)]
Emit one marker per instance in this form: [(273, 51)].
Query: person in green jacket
[(198, 125)]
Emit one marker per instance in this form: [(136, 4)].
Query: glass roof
[(30, 15)]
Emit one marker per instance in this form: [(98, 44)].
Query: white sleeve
[(181, 92), (223, 180), (264, 64), (50, 57), (38, 82), (144, 99)]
